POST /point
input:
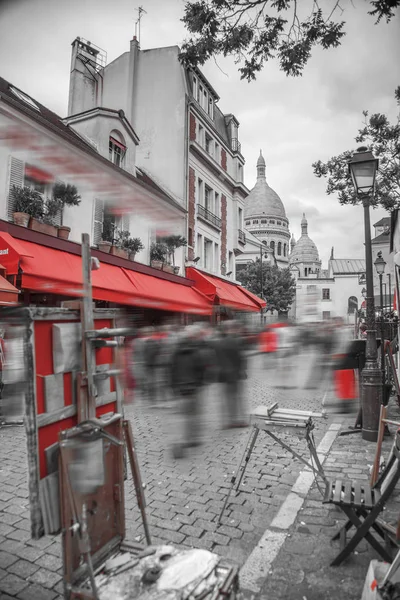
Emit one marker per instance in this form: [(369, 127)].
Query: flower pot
[(168, 268), (115, 251), (63, 232), (21, 219), (132, 255), (36, 225), (176, 270), (157, 264), (105, 246)]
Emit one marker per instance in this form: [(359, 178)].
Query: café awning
[(224, 293), (47, 270)]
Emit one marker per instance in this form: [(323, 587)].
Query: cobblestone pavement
[(184, 497), (302, 568)]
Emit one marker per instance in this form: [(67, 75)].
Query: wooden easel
[(273, 420)]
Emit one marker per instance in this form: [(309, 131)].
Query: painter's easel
[(274, 420)]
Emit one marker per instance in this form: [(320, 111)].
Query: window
[(194, 87), (199, 248), (32, 182), (240, 218), (272, 222), (211, 107), (200, 136), (248, 223), (279, 248), (272, 245), (200, 197), (216, 204), (190, 237), (326, 294), (217, 149), (24, 98), (208, 199), (326, 314), (209, 146), (116, 148), (199, 94), (230, 261), (278, 222), (284, 249), (204, 105), (255, 221), (240, 172), (216, 258), (208, 254), (264, 221)]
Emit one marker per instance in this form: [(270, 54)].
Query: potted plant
[(28, 203), (118, 247), (47, 223), (132, 246), (107, 235), (173, 242), (158, 254), (65, 194)]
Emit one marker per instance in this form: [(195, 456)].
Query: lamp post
[(390, 292), (262, 279), (362, 168), (384, 294), (380, 265)]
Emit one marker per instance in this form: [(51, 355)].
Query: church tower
[(265, 217), (304, 253)]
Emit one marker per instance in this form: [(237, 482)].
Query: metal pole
[(382, 333), (371, 374), (262, 283), (384, 298), (390, 292)]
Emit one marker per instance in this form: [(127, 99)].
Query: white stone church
[(320, 293)]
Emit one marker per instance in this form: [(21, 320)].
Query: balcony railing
[(207, 215), (236, 145), (241, 236)]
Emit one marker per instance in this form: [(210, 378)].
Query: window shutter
[(98, 221), (125, 222), (58, 218), (16, 170)]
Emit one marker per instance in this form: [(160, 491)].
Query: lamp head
[(229, 273), (380, 264), (196, 260), (363, 167)]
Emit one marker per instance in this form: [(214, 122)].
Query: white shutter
[(16, 170), (98, 221), (125, 222), (58, 218)]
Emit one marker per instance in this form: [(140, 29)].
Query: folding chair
[(363, 505)]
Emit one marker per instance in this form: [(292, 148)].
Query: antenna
[(140, 11)]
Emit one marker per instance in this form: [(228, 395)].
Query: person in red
[(268, 344)]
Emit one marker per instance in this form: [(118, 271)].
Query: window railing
[(207, 215), (236, 145), (241, 236)]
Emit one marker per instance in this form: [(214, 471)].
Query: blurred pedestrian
[(188, 367), (232, 365)]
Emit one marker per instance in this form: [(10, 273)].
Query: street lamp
[(380, 265), (363, 168)]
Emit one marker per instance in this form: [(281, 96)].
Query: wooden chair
[(363, 505)]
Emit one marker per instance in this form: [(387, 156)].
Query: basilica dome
[(262, 199), (304, 251)]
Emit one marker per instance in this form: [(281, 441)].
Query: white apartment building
[(187, 145)]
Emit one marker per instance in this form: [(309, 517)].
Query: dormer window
[(194, 87), (116, 148), (211, 107)]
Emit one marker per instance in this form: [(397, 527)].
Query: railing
[(241, 236), (207, 215), (236, 145)]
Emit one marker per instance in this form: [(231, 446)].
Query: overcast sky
[(294, 120)]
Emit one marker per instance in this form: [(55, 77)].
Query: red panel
[(38, 174), (345, 384)]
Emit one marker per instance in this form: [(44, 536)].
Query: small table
[(273, 420)]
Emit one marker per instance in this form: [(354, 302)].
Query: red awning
[(52, 271), (167, 295), (224, 293), (261, 303), (8, 293)]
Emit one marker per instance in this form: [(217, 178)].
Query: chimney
[(83, 76), (132, 78)]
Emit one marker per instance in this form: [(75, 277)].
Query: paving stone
[(12, 584), (19, 535), (50, 562), (6, 559), (46, 578), (28, 553), (37, 592), (3, 573), (23, 568)]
